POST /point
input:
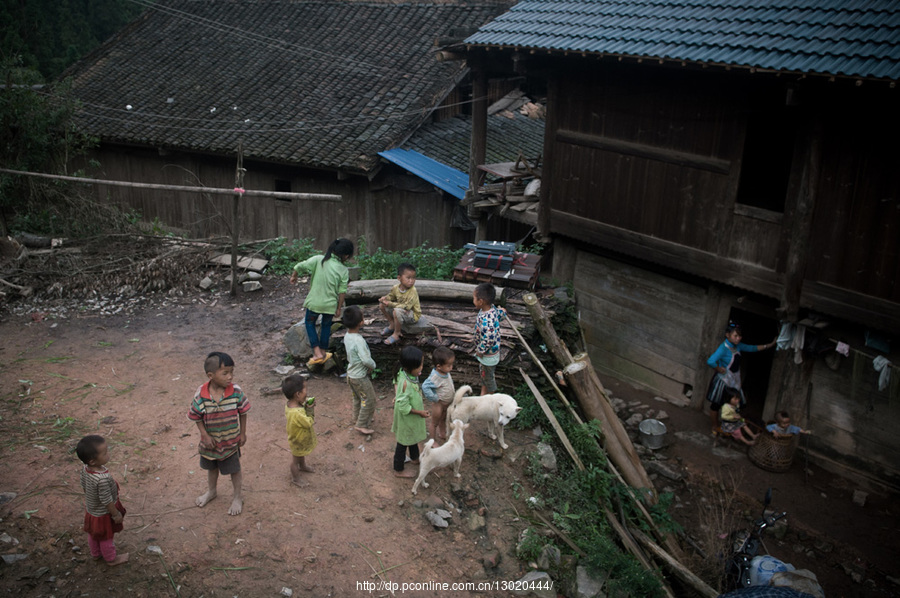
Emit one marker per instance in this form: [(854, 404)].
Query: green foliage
[(283, 256), (50, 35), (529, 549), (535, 248), (432, 263), (37, 133)]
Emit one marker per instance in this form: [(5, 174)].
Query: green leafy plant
[(433, 263), (283, 255)]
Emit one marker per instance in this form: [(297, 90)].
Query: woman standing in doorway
[(726, 361)]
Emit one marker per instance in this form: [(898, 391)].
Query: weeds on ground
[(722, 513), (578, 499)]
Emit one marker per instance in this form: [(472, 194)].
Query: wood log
[(682, 572), (366, 291), (593, 400)]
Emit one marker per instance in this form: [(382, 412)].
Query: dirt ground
[(130, 377)]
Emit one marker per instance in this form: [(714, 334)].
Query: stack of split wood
[(448, 319)]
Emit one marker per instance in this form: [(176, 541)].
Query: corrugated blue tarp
[(440, 175)]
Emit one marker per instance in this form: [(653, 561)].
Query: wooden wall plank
[(392, 218), (644, 322)]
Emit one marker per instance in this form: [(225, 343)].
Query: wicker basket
[(773, 454)]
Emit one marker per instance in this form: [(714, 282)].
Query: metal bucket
[(652, 433)]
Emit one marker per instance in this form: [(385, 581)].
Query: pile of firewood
[(452, 319), (125, 264)]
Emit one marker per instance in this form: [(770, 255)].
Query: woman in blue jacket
[(726, 361)]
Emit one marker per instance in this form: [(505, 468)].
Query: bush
[(432, 263), (283, 256)]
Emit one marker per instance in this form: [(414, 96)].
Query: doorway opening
[(756, 368)]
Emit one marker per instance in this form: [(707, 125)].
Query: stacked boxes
[(516, 270)]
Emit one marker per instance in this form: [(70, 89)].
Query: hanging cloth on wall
[(882, 365), (785, 336)]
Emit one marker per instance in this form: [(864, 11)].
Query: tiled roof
[(323, 84), (448, 141), (853, 38)]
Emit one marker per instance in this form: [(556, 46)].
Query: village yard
[(68, 371)]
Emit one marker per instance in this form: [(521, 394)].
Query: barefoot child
[(487, 334), (730, 420), (438, 389), (220, 411), (359, 368), (103, 513), (299, 413), (327, 286), (401, 305), (409, 410)]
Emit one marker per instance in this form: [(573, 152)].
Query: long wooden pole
[(248, 192)]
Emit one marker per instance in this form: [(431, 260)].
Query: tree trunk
[(366, 291)]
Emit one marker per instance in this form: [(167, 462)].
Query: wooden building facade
[(682, 194), (393, 210)]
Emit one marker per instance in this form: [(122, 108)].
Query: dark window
[(284, 187), (766, 163)]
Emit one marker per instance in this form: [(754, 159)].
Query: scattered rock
[(549, 558), (662, 415), (251, 285), (284, 370), (588, 585), (443, 514), (5, 497), (287, 592), (436, 520), (547, 456), (664, 470), (297, 342), (9, 559), (7, 539), (491, 452), (537, 583), (491, 559), (154, 550), (634, 420), (434, 502), (475, 522), (206, 283), (859, 498)]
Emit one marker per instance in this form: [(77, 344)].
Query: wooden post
[(478, 143), (235, 217)]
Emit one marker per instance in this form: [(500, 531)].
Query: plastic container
[(652, 433)]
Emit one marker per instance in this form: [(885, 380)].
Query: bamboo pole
[(682, 572), (553, 421), (248, 192), (620, 530)]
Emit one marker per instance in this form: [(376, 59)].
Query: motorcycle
[(740, 569)]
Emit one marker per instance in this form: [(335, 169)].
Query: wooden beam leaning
[(593, 400)]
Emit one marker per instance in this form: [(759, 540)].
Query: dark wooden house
[(726, 160), (311, 92)]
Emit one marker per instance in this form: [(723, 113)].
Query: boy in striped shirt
[(220, 411)]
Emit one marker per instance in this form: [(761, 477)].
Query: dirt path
[(131, 379)]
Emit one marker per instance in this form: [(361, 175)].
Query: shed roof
[(852, 38), (318, 83), (448, 141)]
